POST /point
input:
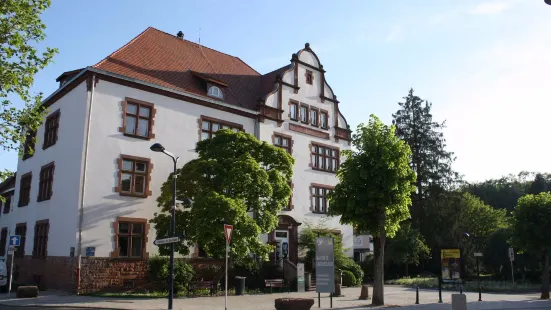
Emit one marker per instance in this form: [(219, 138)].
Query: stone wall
[(112, 274), (52, 273)]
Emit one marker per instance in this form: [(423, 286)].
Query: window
[(324, 120), (21, 231), (46, 182), (293, 111), (320, 202), (304, 113), (28, 149), (215, 92), (325, 158), (283, 141), (3, 241), (25, 190), (309, 77), (40, 247), (211, 125), (314, 117), (50, 129), (134, 175), (7, 202), (131, 238), (138, 119)]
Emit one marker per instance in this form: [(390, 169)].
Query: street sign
[(166, 240), (478, 254), (325, 265), (511, 254), (15, 240), (228, 230)]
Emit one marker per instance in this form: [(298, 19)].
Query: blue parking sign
[(15, 240)]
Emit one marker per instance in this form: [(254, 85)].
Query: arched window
[(215, 92)]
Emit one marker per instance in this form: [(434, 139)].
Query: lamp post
[(470, 238), (157, 147)]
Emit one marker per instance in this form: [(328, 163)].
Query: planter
[(294, 303)]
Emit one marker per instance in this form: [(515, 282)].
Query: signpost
[(512, 258), (325, 267), (228, 230), (15, 241), (166, 240)]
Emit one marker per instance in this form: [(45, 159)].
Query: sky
[(484, 65)]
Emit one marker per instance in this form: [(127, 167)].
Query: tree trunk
[(545, 276), (379, 271), (407, 270)]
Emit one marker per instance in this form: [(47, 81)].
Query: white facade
[(93, 158)]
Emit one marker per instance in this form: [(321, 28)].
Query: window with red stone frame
[(304, 113), (314, 117), (138, 119), (283, 141), (293, 111), (51, 129), (130, 238), (324, 158), (309, 77), (8, 197), (40, 247), (134, 176), (21, 231), (3, 241), (319, 195), (29, 147), (211, 125), (324, 120), (46, 182), (25, 189)]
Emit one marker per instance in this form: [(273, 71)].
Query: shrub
[(367, 268), (348, 278), (349, 265), (158, 268)]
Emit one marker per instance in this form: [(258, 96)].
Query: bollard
[(417, 295), (461, 289), (479, 292), (439, 290)]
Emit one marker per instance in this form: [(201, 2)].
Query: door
[(282, 246)]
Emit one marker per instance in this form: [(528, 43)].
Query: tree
[(234, 175), (373, 194), (531, 225), (430, 160), (539, 185), (407, 247), (20, 30)]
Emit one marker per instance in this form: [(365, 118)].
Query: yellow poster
[(451, 264)]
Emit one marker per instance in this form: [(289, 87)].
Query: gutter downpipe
[(82, 190)]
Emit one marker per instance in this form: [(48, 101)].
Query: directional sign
[(478, 254), (228, 230), (325, 265), (511, 254), (166, 240), (15, 240)]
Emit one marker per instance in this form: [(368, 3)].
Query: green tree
[(373, 195), (234, 175), (430, 160), (531, 225), (307, 243), (21, 29), (539, 185), (407, 247)]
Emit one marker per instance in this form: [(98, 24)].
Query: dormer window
[(216, 92), (309, 77)]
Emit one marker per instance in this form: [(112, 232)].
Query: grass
[(487, 285)]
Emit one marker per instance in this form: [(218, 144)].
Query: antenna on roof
[(199, 36)]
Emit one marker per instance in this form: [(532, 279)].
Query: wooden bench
[(278, 283), (195, 285)]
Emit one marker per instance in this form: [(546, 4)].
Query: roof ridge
[(212, 49), (124, 46), (276, 70)]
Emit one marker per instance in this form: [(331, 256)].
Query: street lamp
[(157, 147), (477, 255)]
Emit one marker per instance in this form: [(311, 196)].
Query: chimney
[(180, 35)]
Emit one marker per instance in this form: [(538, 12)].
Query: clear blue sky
[(485, 65)]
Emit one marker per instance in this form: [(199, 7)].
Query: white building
[(91, 186)]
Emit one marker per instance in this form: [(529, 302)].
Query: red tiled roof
[(160, 58)]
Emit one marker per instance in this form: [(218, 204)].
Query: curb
[(57, 306)]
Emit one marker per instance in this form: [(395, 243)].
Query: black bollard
[(417, 295), (439, 290), (479, 292), (461, 289)]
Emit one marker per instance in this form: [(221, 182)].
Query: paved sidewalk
[(394, 296)]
